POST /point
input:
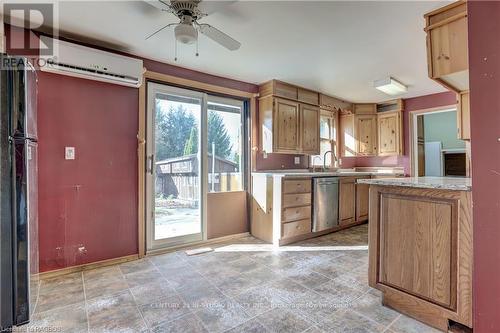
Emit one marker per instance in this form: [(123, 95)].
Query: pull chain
[(197, 54), (175, 59)]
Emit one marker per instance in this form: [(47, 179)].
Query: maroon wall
[(411, 104), (90, 201), (484, 64)]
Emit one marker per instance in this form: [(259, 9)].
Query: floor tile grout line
[(85, 302), (133, 297), (392, 322)]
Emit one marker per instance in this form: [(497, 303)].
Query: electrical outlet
[(297, 160), (69, 153)]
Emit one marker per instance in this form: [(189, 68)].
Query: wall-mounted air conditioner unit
[(88, 63)]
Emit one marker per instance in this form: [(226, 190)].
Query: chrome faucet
[(324, 158), (314, 158)]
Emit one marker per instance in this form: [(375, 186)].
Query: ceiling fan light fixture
[(390, 86), (186, 33)]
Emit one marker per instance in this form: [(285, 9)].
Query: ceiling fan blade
[(219, 37), (160, 4), (159, 30)]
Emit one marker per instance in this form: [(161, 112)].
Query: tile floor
[(319, 285)]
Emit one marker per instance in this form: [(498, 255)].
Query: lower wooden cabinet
[(362, 202), (347, 200), (420, 253)]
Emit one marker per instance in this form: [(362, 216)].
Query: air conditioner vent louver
[(73, 60)]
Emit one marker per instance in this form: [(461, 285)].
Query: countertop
[(444, 183), (340, 173)]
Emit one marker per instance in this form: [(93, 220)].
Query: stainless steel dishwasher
[(326, 203)]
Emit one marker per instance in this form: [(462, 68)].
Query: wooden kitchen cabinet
[(288, 119), (463, 116), (358, 135), (309, 129), (365, 108), (362, 202), (390, 133), (447, 46), (347, 200), (366, 134), (420, 253)]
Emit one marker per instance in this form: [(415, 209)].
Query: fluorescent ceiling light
[(390, 86)]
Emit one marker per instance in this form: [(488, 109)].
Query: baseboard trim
[(120, 260), (196, 244), (86, 267)]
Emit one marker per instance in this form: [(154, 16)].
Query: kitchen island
[(420, 247)]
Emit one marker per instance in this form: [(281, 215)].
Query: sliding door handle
[(149, 164)]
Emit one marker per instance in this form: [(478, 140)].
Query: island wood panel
[(422, 308), (416, 250)]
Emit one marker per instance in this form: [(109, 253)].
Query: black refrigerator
[(18, 191)]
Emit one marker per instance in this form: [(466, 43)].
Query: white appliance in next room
[(89, 63)]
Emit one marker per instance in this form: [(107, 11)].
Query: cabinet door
[(309, 129), (347, 200), (463, 116), (449, 48), (362, 198), (389, 128), (366, 132), (347, 140), (286, 125), (418, 246)]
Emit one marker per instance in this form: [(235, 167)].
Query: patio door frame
[(224, 87), (153, 89)]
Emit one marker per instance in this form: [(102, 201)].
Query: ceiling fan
[(186, 31)]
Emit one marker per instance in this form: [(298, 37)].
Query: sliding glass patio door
[(195, 151), (176, 164)]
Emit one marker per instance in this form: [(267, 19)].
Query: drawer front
[(296, 228), (296, 213), (284, 90), (293, 200), (308, 96), (297, 186)]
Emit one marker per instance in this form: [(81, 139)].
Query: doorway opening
[(437, 151)]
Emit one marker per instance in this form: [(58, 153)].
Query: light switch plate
[(69, 153), (297, 160)]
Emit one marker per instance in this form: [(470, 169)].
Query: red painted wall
[(411, 104), (484, 64), (90, 201)]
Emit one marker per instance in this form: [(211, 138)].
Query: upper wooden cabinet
[(365, 108), (288, 127), (463, 116), (334, 104), (447, 46), (366, 134), (288, 119), (309, 129), (390, 133)]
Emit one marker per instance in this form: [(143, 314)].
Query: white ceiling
[(338, 48)]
